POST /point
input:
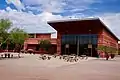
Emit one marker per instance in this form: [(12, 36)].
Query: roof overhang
[(80, 26), (43, 33)]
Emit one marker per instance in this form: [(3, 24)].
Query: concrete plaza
[(30, 67)]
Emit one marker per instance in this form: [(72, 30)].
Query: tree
[(107, 49), (18, 36), (5, 25), (45, 44)]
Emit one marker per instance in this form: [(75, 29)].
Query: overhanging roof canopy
[(78, 26)]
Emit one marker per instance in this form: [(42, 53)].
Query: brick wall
[(58, 43), (104, 38), (39, 37), (44, 36)]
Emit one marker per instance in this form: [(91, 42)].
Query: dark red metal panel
[(77, 27), (80, 27)]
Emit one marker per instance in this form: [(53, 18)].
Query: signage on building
[(67, 46), (89, 45)]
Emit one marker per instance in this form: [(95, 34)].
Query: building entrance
[(78, 44)]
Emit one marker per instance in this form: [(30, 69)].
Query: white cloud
[(33, 8), (30, 22), (46, 16), (8, 9), (59, 6), (79, 5), (56, 6), (17, 4), (45, 5)]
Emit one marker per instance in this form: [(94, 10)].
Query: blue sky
[(98, 6), (23, 12)]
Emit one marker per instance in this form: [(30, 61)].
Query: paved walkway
[(29, 67)]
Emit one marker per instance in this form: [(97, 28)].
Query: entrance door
[(72, 49), (83, 49), (78, 44)]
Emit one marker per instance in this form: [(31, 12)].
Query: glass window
[(83, 39)]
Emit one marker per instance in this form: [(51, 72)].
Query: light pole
[(78, 46), (67, 43), (90, 42)]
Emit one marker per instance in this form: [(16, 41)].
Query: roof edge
[(109, 29), (43, 33), (69, 20)]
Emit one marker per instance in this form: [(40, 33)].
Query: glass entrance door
[(78, 44)]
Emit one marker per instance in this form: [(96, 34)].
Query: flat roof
[(42, 33), (52, 23), (71, 20)]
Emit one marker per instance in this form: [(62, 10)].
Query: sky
[(32, 15)]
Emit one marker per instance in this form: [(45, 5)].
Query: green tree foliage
[(45, 44), (101, 48), (18, 36), (5, 25), (107, 49)]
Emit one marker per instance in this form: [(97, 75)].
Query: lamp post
[(78, 46), (66, 43), (90, 42), (89, 36)]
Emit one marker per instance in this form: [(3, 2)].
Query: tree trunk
[(0, 44), (3, 42), (7, 46), (20, 47), (15, 48)]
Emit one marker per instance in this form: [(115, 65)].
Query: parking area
[(31, 67)]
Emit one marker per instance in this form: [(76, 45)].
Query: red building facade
[(119, 48), (33, 41), (84, 27)]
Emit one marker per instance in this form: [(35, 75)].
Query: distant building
[(119, 47), (33, 41)]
